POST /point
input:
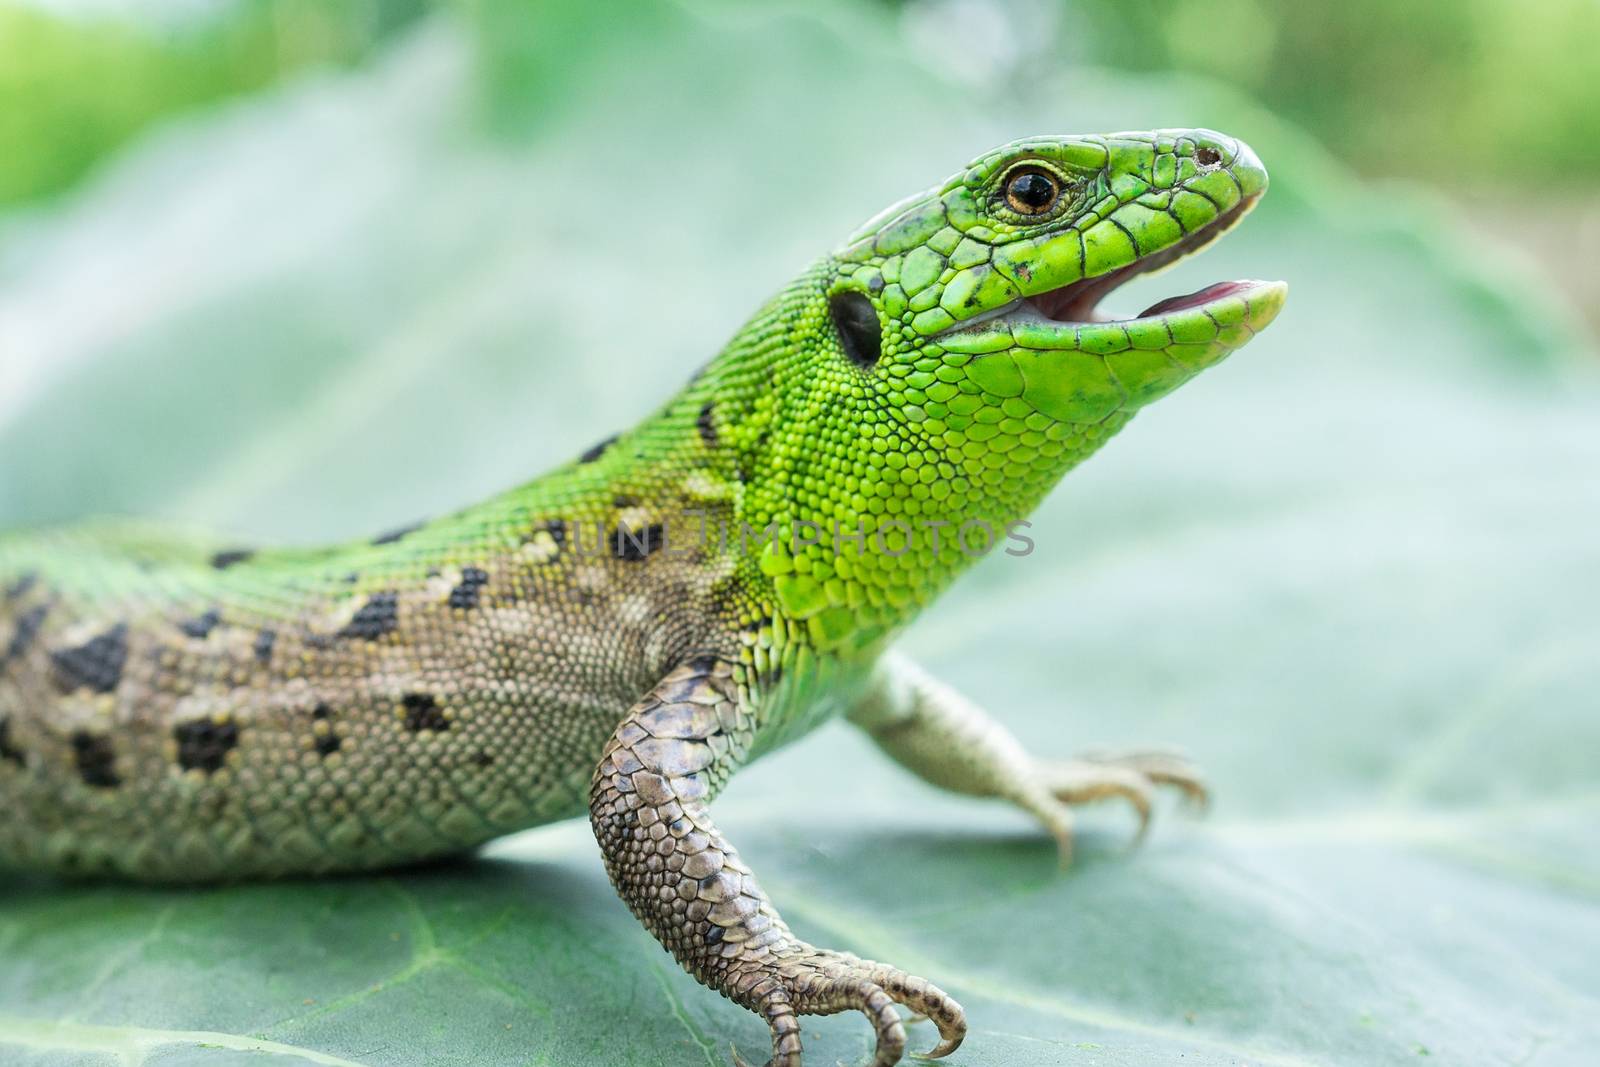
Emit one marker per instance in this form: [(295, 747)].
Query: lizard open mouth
[(1054, 318), (1080, 300)]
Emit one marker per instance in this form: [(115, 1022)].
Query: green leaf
[(77, 84), (1353, 572)]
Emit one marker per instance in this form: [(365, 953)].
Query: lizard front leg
[(686, 883), (950, 742)]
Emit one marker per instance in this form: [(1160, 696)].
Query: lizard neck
[(843, 520)]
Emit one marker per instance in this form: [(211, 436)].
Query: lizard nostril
[(1207, 156)]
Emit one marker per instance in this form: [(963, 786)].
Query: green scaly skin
[(177, 710)]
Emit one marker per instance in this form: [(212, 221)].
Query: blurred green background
[(1494, 101), (308, 270)]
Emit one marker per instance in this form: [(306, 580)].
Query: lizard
[(620, 635)]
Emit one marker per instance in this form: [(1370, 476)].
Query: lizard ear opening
[(856, 320)]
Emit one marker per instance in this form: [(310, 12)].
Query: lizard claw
[(1051, 789), (1158, 767), (820, 982), (929, 1003)]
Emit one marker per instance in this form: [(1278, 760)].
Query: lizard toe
[(1161, 767), (879, 1008), (785, 1025), (1081, 782), (928, 1001)]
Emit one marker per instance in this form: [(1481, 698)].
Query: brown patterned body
[(416, 711)]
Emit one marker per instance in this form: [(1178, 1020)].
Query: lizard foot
[(951, 742), (811, 981), (1054, 786)]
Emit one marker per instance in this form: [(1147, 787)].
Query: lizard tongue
[(1195, 299)]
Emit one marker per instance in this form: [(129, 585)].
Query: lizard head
[(992, 282), (951, 361)]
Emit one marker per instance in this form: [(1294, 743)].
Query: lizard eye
[(1032, 190)]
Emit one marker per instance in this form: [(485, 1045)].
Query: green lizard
[(623, 633)]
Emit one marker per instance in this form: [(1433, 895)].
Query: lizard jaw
[(1066, 317), (1078, 302)]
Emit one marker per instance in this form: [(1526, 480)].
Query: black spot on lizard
[(203, 745), (96, 664), (96, 760), (464, 597), (325, 740), (200, 626), (635, 545), (378, 616), (706, 425), (9, 753), (423, 713), (595, 451), (27, 628), (396, 534)]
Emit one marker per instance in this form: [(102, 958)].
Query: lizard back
[(178, 709)]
